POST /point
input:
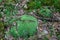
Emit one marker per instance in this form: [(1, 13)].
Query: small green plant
[(57, 4), (26, 26), (8, 10), (45, 12), (34, 4), (8, 7)]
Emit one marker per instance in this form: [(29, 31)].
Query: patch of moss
[(26, 26), (45, 12), (57, 4), (34, 4)]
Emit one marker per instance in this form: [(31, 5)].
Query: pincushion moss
[(26, 26)]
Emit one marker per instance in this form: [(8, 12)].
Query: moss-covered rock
[(26, 26)]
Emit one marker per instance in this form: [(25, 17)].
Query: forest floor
[(46, 30)]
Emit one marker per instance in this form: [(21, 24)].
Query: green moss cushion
[(27, 25)]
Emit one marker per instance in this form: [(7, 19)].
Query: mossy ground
[(48, 19)]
